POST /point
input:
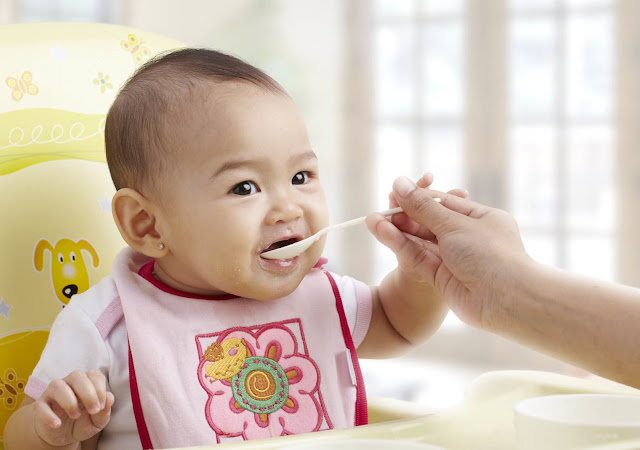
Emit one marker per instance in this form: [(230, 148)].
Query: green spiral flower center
[(260, 386)]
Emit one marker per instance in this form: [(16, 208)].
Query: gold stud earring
[(160, 246)]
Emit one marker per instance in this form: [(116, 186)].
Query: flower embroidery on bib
[(261, 382)]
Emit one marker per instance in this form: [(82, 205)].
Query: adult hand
[(406, 260), (474, 256), (467, 250)]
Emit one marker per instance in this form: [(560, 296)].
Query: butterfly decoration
[(133, 45), (102, 80), (10, 388), (22, 85)]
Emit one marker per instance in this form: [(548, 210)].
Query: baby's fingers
[(86, 387), (91, 424), (385, 232), (61, 398), (99, 382), (414, 254), (98, 404), (102, 417), (53, 412), (45, 416)]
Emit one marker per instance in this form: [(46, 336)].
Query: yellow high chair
[(57, 236)]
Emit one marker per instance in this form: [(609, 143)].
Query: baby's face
[(247, 178)]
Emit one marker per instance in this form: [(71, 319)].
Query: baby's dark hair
[(138, 128)]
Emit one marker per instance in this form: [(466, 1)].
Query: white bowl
[(576, 420)]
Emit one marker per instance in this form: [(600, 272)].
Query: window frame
[(487, 136)]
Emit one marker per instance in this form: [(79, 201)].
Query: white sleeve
[(74, 344), (356, 301)]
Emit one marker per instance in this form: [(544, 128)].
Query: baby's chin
[(273, 289)]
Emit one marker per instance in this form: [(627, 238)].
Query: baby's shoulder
[(100, 299)]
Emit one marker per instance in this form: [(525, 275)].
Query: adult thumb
[(420, 206)]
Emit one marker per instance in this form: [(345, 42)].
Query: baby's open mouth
[(280, 244)]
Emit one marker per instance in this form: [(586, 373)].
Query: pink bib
[(206, 370)]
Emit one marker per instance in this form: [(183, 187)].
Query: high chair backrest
[(57, 236)]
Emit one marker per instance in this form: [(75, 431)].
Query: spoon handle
[(359, 220)]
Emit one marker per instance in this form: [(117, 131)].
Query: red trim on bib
[(146, 272), (362, 415), (143, 431)]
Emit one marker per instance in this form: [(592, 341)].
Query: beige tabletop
[(483, 421)]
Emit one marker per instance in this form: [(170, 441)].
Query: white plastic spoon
[(295, 249), (291, 250)]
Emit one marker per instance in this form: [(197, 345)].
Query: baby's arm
[(407, 309), (69, 415), (406, 312)]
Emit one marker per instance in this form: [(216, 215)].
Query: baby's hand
[(73, 409)]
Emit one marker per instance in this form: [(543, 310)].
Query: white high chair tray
[(483, 422)]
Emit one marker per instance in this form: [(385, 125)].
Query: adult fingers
[(393, 203), (420, 206), (462, 193), (426, 180), (407, 225)]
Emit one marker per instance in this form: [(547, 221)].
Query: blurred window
[(419, 96), (105, 11), (562, 145), (559, 125)]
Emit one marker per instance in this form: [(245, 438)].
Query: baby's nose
[(284, 212)]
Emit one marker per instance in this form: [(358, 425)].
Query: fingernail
[(404, 186)]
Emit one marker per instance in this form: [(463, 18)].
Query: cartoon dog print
[(69, 274)]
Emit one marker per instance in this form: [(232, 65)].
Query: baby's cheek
[(315, 253)]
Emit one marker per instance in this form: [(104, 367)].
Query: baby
[(195, 338)]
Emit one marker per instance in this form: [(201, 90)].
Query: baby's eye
[(244, 188), (300, 178)]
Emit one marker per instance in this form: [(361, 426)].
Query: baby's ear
[(136, 221)]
